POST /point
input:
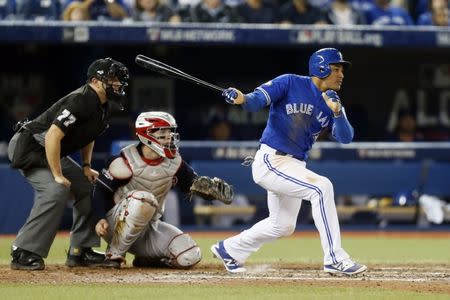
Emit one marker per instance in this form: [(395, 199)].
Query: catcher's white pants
[(288, 182)]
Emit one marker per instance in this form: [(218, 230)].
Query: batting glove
[(335, 104), (230, 94), (333, 96)]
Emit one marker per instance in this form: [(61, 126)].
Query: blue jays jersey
[(298, 113)]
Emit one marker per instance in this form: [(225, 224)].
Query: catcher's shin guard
[(183, 252), (132, 216)]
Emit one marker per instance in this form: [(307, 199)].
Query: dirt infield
[(419, 278)]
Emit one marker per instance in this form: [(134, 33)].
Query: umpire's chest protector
[(154, 179)]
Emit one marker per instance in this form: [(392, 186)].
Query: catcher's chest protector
[(154, 179)]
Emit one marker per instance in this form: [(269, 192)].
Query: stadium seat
[(7, 9), (38, 10)]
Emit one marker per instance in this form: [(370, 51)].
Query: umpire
[(39, 150)]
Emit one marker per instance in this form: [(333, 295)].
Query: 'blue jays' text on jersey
[(297, 115)]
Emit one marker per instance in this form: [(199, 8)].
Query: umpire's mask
[(107, 70)]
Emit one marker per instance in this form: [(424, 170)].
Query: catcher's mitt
[(212, 189)]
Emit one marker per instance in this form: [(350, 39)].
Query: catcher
[(129, 197)]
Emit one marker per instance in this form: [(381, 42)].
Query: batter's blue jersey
[(298, 113)]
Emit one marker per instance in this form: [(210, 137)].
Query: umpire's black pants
[(50, 200)]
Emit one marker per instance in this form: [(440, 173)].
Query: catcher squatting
[(128, 199)]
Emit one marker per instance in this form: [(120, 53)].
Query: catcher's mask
[(108, 70), (157, 130)]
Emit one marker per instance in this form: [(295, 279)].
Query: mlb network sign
[(339, 37)]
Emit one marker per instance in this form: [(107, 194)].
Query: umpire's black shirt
[(80, 115)]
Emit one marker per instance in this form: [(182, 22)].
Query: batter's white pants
[(288, 182)]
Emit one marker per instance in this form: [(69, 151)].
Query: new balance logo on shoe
[(347, 267), (231, 265)]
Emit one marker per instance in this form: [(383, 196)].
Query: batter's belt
[(278, 152)]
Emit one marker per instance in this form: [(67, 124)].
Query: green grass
[(370, 250), (171, 291)]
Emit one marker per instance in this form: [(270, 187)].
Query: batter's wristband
[(337, 115), (86, 165)]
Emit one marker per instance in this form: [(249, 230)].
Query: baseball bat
[(162, 68)]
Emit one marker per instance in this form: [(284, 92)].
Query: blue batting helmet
[(320, 61)]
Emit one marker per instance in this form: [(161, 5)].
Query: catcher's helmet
[(320, 61), (108, 68), (149, 126)]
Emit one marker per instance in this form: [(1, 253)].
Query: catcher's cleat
[(26, 260), (230, 263), (347, 267), (84, 257), (147, 262)]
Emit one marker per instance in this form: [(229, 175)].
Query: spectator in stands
[(421, 7), (220, 130), (438, 15), (111, 10), (187, 3), (183, 8), (362, 5), (76, 11), (154, 11), (342, 14), (406, 129), (38, 10), (301, 12), (258, 11), (7, 9), (233, 3), (383, 13), (212, 11), (218, 126), (320, 4)]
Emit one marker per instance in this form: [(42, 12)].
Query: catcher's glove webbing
[(212, 189)]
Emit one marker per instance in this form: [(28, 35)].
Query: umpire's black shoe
[(26, 260), (84, 257)]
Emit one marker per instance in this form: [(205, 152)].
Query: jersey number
[(66, 115)]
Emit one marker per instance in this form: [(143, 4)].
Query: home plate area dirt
[(417, 278)]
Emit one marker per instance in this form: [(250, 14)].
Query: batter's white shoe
[(230, 263), (347, 267)]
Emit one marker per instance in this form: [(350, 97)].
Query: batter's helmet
[(320, 61)]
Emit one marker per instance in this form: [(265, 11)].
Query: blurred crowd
[(337, 12)]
